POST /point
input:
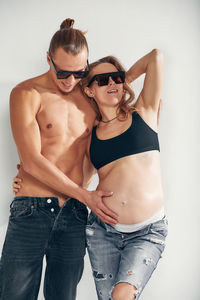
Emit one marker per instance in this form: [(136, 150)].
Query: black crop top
[(139, 137)]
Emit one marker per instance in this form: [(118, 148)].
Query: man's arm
[(24, 105)]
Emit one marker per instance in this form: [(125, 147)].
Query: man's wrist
[(82, 195)]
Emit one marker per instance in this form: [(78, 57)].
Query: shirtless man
[(51, 121)]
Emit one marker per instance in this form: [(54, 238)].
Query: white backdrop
[(127, 29)]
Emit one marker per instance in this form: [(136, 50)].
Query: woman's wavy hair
[(125, 105)]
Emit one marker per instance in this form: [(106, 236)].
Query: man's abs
[(30, 186)]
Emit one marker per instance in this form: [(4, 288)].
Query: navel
[(49, 125), (87, 130), (123, 203)]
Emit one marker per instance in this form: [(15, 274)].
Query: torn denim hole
[(157, 241), (89, 231), (99, 276), (147, 260), (130, 272)]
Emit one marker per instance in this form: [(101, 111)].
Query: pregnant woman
[(124, 149)]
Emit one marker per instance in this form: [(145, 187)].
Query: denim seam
[(46, 284), (56, 219), (35, 286)]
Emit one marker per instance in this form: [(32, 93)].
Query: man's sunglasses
[(66, 74), (103, 79)]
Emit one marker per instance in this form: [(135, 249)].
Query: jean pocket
[(160, 227), (81, 215), (21, 212)]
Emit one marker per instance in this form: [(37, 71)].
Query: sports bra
[(139, 137)]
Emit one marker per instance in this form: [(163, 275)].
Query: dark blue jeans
[(38, 227)]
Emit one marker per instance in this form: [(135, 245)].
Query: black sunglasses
[(103, 79), (66, 74)]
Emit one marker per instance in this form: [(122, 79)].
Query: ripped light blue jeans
[(123, 257)]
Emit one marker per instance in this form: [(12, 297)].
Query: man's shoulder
[(29, 85), (26, 90)]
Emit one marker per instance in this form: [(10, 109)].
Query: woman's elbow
[(157, 55)]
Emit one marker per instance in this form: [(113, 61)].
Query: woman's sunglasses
[(103, 79), (66, 74)]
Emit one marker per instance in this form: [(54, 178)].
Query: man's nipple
[(49, 125)]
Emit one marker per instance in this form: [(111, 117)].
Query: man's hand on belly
[(94, 200)]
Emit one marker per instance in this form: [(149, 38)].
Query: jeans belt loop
[(35, 203)]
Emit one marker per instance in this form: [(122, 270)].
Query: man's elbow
[(30, 165)]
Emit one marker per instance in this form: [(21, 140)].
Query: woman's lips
[(112, 91)]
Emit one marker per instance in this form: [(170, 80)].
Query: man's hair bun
[(67, 23)]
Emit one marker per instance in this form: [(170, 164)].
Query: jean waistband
[(110, 228), (159, 215), (45, 201)]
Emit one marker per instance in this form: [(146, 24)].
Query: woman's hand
[(16, 182), (16, 185)]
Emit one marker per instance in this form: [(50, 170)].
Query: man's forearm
[(46, 172)]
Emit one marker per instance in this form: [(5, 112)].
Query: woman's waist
[(130, 176), (138, 164)]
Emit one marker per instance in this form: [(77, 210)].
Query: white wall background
[(127, 29)]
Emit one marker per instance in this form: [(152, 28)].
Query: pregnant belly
[(133, 199)]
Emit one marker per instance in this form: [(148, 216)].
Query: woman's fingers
[(17, 179), (105, 218), (16, 185)]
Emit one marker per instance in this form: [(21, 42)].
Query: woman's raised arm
[(152, 65)]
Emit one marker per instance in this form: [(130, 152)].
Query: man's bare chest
[(60, 118)]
